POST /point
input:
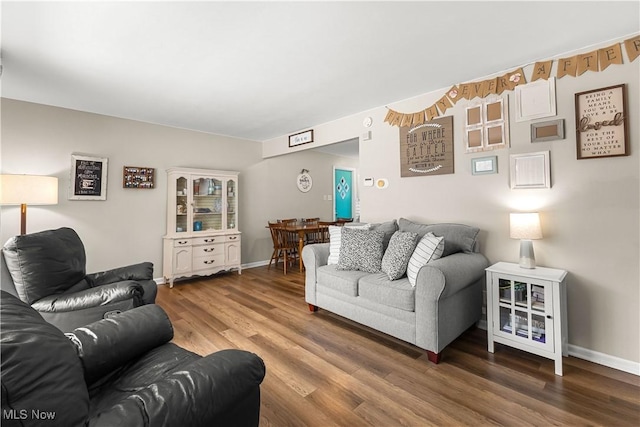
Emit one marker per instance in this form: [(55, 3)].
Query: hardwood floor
[(324, 370)]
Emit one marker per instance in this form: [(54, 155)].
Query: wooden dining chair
[(342, 221), (285, 245), (312, 236), (324, 229)]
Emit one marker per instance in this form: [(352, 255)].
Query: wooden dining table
[(302, 230)]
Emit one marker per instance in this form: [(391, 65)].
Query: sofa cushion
[(394, 293), (396, 256), (361, 250), (429, 248), (335, 240), (388, 228), (457, 237), (345, 282)]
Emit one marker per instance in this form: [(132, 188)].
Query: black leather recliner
[(48, 271), (120, 371)]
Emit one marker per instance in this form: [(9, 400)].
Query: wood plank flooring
[(324, 370)]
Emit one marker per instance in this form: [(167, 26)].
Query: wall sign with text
[(601, 123), (88, 178), (427, 149)]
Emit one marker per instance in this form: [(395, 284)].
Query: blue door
[(343, 193)]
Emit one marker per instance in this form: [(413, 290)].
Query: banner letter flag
[(502, 84), (397, 118), (431, 112), (489, 87), (464, 90), (517, 78), (567, 67), (418, 118), (444, 103), (387, 118), (541, 70), (610, 55), (475, 90), (632, 46), (587, 62), (454, 94), (406, 120)]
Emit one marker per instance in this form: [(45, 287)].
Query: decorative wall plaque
[(601, 123), (427, 149)]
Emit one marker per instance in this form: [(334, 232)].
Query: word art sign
[(427, 149), (601, 123)]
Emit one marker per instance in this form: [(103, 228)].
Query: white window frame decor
[(530, 170), (536, 100)]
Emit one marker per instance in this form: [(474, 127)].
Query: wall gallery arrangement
[(426, 140)]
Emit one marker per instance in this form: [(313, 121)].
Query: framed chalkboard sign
[(88, 178)]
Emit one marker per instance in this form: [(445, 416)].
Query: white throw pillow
[(429, 248), (335, 238)]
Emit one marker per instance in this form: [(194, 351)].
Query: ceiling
[(260, 70)]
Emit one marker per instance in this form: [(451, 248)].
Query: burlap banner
[(597, 60)]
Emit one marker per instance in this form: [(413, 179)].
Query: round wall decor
[(304, 181)]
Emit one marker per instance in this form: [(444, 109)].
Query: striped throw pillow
[(429, 248)]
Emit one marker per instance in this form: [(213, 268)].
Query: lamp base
[(527, 258)]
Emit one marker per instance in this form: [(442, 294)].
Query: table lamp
[(28, 189), (526, 227)]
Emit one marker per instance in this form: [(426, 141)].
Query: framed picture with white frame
[(536, 100)]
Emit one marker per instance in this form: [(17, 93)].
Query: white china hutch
[(202, 223)]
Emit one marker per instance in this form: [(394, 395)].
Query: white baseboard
[(594, 356), (605, 359)]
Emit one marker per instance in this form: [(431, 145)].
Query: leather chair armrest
[(91, 297), (208, 387), (141, 271), (109, 343)]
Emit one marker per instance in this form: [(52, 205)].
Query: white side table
[(527, 309)]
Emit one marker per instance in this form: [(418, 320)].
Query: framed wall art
[(530, 170), (547, 131), (487, 125), (427, 149), (301, 138), (138, 177), (88, 177), (536, 100), (484, 165), (601, 123)]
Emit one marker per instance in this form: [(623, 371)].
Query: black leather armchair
[(120, 371), (48, 271)]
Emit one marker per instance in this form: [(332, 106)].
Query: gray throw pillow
[(398, 253), (361, 250)]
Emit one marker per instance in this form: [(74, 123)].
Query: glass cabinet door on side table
[(523, 314), (527, 309)]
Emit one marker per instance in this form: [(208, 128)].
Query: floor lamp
[(28, 189)]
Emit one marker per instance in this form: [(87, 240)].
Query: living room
[(589, 214)]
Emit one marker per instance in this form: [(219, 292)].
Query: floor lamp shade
[(526, 227), (26, 190)]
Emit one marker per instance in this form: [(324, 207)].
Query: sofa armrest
[(109, 343), (448, 275), (141, 271), (92, 297), (196, 395), (313, 256)]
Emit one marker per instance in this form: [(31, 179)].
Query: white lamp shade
[(28, 189), (525, 226)]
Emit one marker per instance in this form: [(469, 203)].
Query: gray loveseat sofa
[(446, 300)]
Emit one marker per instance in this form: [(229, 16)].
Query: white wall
[(128, 226), (590, 215)]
